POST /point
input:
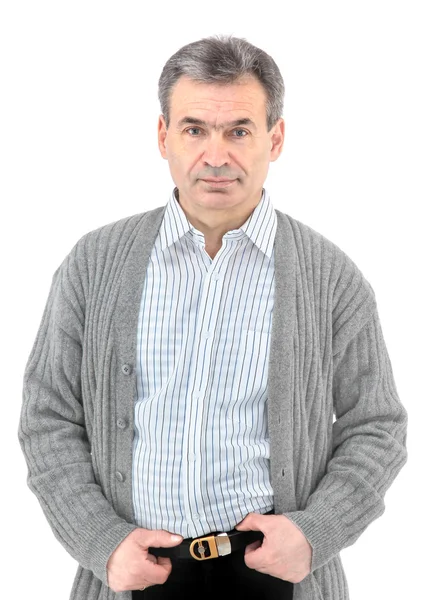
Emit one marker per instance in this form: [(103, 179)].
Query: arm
[(52, 431), (369, 446)]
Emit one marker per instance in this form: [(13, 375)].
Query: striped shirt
[(201, 451)]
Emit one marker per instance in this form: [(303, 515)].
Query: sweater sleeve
[(369, 446), (52, 431)]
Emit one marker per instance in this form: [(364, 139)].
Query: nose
[(216, 151)]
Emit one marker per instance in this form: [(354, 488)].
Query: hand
[(285, 552), (131, 567)]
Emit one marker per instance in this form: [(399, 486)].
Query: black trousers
[(223, 577)]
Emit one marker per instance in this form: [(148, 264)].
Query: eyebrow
[(194, 121)]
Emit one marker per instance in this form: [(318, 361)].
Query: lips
[(219, 183), (212, 179)]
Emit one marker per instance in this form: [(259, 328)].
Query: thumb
[(160, 538), (245, 524)]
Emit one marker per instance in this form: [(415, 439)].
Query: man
[(190, 361)]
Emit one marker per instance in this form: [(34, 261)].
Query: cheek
[(182, 165), (179, 154), (175, 159), (261, 160), (251, 163)]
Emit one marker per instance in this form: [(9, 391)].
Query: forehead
[(245, 96)]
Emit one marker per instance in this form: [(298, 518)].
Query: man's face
[(210, 145)]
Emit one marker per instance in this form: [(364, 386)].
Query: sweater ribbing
[(327, 356)]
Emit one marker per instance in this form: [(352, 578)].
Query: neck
[(214, 232)]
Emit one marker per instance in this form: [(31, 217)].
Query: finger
[(156, 538), (156, 571), (163, 561), (252, 547)]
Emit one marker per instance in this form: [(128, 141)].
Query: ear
[(162, 134), (277, 139)]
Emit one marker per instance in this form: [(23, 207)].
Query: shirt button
[(196, 517), (119, 476), (121, 423), (126, 369)]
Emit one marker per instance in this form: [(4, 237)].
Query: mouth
[(219, 182)]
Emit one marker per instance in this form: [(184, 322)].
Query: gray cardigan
[(327, 358)]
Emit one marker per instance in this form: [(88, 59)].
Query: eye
[(235, 130), (190, 128), (241, 130)]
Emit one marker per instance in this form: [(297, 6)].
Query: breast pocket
[(250, 379)]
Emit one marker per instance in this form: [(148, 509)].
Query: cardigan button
[(121, 423), (119, 476), (126, 369)]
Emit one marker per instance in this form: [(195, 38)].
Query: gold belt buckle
[(219, 545)]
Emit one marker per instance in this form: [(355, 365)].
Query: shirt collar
[(259, 227)]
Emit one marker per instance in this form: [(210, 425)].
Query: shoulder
[(108, 239), (100, 249), (312, 243), (341, 283), (109, 234)]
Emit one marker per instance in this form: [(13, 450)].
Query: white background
[(78, 143)]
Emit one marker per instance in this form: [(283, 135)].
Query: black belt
[(211, 545)]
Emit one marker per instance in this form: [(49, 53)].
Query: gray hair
[(222, 60)]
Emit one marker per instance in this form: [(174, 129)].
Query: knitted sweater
[(327, 359)]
